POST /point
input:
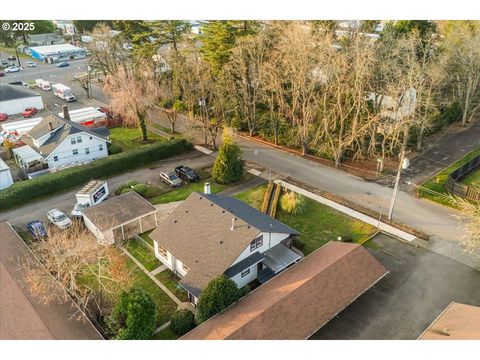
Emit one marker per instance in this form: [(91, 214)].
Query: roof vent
[(223, 211), (186, 211), (211, 204), (221, 242), (200, 197), (175, 221), (233, 223)]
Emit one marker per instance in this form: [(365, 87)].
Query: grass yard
[(472, 179), (170, 280), (163, 128), (145, 236), (318, 224), (183, 192), (129, 139), (142, 254), (165, 334), (437, 182)]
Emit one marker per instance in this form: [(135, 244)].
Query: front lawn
[(317, 224), (144, 255), (170, 280), (435, 189), (183, 192), (130, 138)]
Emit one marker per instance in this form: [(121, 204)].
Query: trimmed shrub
[(228, 167), (115, 149), (126, 190), (23, 192), (292, 203), (182, 322), (132, 183), (141, 189), (121, 188)]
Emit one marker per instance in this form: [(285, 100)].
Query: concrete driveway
[(38, 210), (420, 285)]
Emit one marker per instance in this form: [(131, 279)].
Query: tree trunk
[(420, 138), (142, 124)]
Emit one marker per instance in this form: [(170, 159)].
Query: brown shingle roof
[(296, 303), (456, 322), (118, 210), (199, 234)]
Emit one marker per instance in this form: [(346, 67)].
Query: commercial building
[(57, 53), (14, 99)]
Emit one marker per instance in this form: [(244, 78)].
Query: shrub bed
[(23, 192)]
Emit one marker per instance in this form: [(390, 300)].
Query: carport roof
[(299, 301), (118, 211)]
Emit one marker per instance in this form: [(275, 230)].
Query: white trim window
[(100, 147), (162, 252), (185, 267), (256, 243), (79, 139), (73, 140), (87, 151), (55, 158), (75, 151), (245, 272)]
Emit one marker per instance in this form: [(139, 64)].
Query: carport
[(120, 217), (27, 158)]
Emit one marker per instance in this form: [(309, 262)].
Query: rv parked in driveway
[(44, 85), (91, 194), (63, 92)]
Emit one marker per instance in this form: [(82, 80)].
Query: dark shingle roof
[(251, 215), (255, 258), (13, 92), (299, 301)]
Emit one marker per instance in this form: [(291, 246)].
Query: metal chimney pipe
[(206, 188), (233, 224), (66, 114)]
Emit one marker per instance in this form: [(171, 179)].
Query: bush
[(126, 190), (182, 322), (219, 294), (132, 183), (121, 188), (115, 149), (228, 166), (23, 192), (133, 317), (141, 189), (292, 203)]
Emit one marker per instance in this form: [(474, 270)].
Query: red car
[(2, 73), (3, 117), (29, 112)]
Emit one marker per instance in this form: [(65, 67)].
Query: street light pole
[(403, 164)]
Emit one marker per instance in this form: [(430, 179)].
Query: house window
[(79, 139), (75, 151), (185, 268), (245, 272), (55, 158), (73, 141), (162, 252), (100, 147), (256, 243), (87, 151)]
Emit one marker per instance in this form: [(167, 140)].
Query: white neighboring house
[(63, 142), (5, 176), (14, 99), (210, 235)]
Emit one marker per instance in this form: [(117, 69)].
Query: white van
[(44, 85)]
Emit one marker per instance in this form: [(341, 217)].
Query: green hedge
[(23, 192)]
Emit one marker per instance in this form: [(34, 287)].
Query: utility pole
[(402, 165)]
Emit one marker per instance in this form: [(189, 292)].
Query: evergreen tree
[(228, 166), (219, 294), (218, 40), (134, 316), (182, 322)]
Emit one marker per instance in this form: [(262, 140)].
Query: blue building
[(57, 53)]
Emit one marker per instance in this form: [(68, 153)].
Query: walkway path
[(158, 270), (154, 279)]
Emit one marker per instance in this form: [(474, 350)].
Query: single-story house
[(210, 235), (63, 142), (5, 175), (456, 322), (119, 217), (14, 99), (57, 53), (45, 39), (299, 301)]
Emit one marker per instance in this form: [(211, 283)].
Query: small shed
[(120, 217), (5, 175), (27, 158)]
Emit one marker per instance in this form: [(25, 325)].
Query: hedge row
[(23, 192)]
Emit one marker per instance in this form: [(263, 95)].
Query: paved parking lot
[(420, 285)]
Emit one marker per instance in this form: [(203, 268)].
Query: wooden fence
[(454, 186)]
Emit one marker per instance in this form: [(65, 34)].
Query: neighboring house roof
[(118, 211), (456, 322), (63, 129), (14, 92), (26, 317), (198, 233), (300, 300), (45, 39)]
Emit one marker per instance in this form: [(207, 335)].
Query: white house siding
[(269, 241), (5, 176), (16, 106), (247, 279), (65, 150), (168, 262)]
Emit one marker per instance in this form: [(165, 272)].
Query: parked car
[(29, 112), (59, 219), (12, 69), (3, 117), (31, 64), (63, 64), (5, 62), (37, 229), (187, 174), (11, 58), (170, 179), (2, 73)]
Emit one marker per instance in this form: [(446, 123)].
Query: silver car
[(59, 219), (171, 179)]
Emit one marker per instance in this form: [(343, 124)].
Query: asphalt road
[(418, 288), (65, 201)]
